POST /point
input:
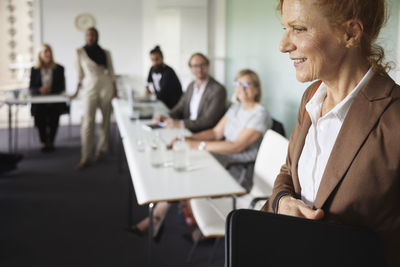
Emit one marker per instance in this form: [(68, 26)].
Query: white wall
[(119, 25), (130, 29), (180, 27), (217, 38)]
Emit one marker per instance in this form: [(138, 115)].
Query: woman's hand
[(159, 118), (148, 92), (171, 123), (71, 97), (44, 90), (291, 206), (193, 144), (78, 86)]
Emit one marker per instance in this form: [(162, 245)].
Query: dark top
[(97, 54), (170, 87), (57, 87)]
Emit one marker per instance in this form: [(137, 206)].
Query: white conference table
[(205, 177), (45, 99)]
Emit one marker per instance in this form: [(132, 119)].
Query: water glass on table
[(157, 151), (140, 144), (181, 155)]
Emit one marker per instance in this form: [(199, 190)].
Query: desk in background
[(47, 99)]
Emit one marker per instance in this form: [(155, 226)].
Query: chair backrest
[(278, 127), (255, 238), (271, 156)]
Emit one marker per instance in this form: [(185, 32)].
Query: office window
[(16, 42)]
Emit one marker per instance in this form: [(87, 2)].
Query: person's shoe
[(81, 165), (99, 156), (191, 238), (50, 147), (159, 224), (158, 233), (188, 237), (135, 230)]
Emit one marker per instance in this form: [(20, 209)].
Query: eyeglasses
[(239, 84), (199, 66)]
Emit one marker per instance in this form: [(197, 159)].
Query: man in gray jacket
[(203, 103)]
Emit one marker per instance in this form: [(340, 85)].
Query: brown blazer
[(361, 182), (211, 108)]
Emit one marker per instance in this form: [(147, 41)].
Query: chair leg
[(30, 133), (16, 130), (69, 126), (191, 252), (216, 243), (120, 153)]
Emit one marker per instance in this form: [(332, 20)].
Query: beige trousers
[(99, 96)]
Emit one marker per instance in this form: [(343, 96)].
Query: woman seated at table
[(47, 78), (235, 138)]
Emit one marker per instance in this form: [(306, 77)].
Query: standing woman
[(165, 82), (343, 162), (47, 78), (96, 76)]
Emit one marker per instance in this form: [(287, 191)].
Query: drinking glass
[(181, 155)]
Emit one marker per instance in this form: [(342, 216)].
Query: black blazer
[(57, 87), (170, 87)]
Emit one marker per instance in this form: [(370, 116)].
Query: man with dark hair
[(165, 83)]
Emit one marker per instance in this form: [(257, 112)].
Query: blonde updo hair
[(373, 16)]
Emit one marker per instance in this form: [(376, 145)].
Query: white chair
[(210, 214)]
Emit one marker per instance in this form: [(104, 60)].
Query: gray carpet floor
[(51, 215)]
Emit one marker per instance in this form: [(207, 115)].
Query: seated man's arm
[(177, 111)]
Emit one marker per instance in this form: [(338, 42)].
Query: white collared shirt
[(156, 80), (195, 100), (47, 77), (321, 138)]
